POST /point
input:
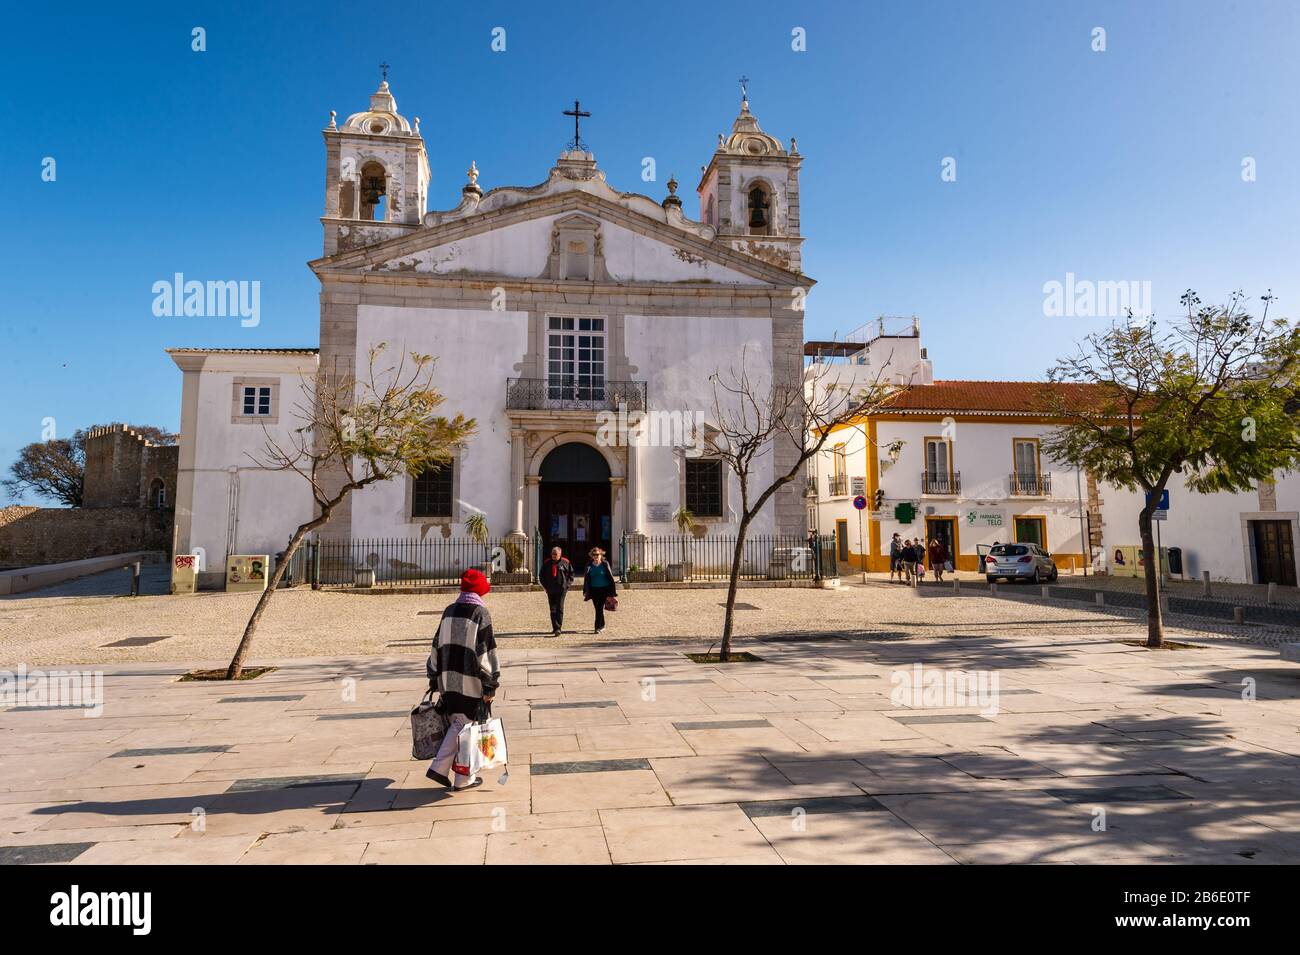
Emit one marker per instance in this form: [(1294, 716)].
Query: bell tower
[(376, 175), (749, 192)]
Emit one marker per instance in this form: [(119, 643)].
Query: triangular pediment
[(570, 236)]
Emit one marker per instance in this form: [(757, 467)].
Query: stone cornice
[(367, 258)]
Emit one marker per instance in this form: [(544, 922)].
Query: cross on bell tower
[(577, 113), (383, 67)]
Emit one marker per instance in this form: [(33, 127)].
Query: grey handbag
[(428, 727)]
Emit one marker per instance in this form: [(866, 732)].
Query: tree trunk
[(1151, 562), (724, 652), (237, 664)]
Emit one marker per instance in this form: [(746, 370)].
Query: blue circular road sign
[(860, 502)]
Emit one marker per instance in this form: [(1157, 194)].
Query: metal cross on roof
[(744, 87), (577, 113), (384, 68)]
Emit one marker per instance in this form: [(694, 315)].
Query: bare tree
[(1214, 400), (357, 432), (754, 416)]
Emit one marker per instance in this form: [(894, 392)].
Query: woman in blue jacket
[(598, 585)]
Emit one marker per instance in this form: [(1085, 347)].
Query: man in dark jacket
[(463, 669), (555, 577), (895, 557)]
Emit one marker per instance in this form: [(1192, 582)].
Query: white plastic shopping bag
[(468, 757), (492, 744), (480, 746)]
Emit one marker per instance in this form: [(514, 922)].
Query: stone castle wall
[(47, 535), (122, 465)]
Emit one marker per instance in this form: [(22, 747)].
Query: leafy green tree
[(54, 470), (1211, 400), (356, 432)]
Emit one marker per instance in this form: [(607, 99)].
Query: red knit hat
[(473, 582)]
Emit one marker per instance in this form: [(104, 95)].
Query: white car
[(1020, 562)]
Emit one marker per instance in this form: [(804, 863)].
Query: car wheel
[(1055, 573), (1036, 577), (991, 578)]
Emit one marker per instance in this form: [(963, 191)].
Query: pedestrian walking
[(463, 669), (555, 577), (598, 585), (895, 557), (909, 561), (938, 559)]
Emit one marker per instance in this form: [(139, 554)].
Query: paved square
[(1088, 750)]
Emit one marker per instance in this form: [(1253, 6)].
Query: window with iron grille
[(704, 488), (431, 494)]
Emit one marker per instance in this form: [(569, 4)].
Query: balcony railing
[(935, 483), (837, 485), (569, 394), (1031, 485)]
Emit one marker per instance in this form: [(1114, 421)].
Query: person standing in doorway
[(598, 585), (463, 668), (555, 577)]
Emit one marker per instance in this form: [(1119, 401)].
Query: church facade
[(579, 325)]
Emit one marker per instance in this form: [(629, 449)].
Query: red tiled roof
[(986, 397)]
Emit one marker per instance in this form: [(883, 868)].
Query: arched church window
[(709, 215), (760, 211), (157, 494), (374, 192)]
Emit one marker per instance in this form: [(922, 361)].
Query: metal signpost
[(860, 502), (1159, 515)]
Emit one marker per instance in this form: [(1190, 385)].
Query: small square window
[(257, 401)]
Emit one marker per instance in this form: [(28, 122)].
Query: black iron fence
[(684, 558), (433, 561), (439, 561)]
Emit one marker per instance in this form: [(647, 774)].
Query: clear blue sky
[(1122, 165)]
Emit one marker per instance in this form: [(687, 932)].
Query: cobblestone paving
[(206, 627)]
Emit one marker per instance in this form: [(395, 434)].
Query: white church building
[(548, 307)]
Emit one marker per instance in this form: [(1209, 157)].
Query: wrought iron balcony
[(933, 482), (837, 485), (569, 394), (1031, 485)]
